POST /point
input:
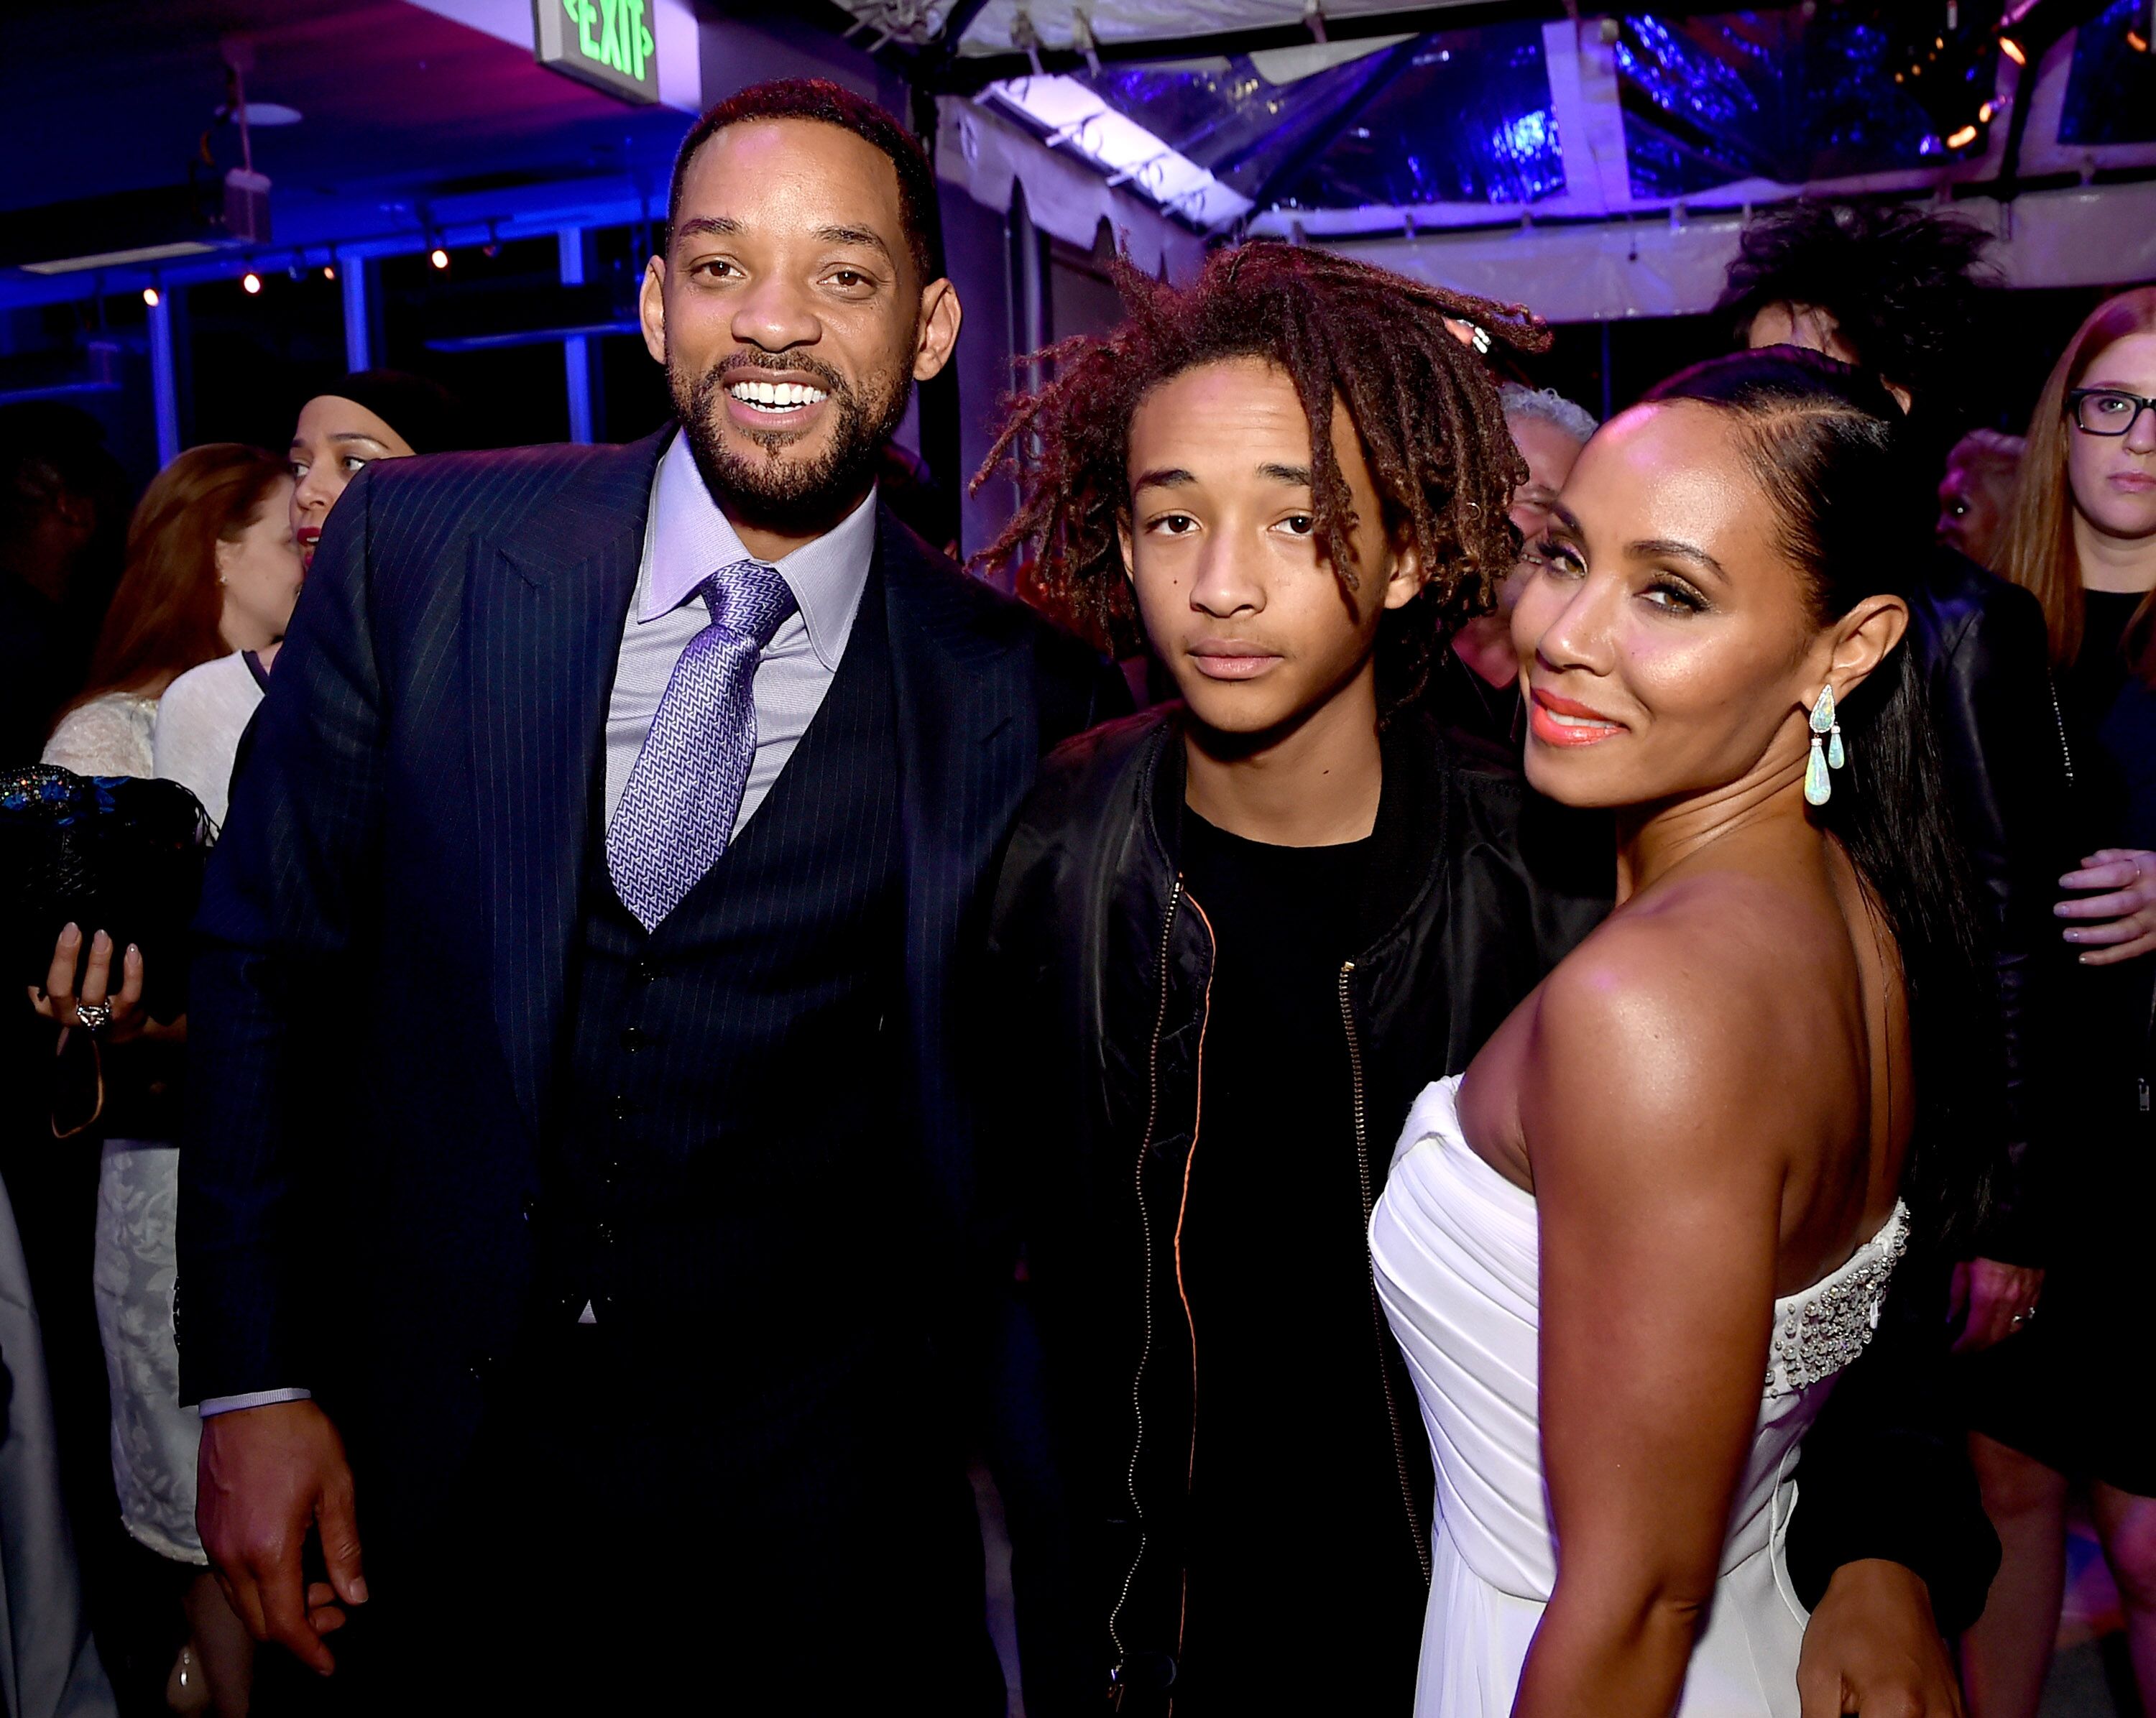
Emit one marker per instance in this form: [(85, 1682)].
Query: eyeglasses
[(2107, 411)]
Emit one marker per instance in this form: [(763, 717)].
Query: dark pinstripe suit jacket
[(389, 922)]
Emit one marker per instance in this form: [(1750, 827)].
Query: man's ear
[(1404, 583), (651, 308), (1124, 547), (941, 315)]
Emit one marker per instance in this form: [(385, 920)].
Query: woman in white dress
[(211, 567), (1629, 1253)]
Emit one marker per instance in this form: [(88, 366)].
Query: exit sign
[(607, 44)]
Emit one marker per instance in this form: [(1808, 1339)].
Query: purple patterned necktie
[(677, 812)]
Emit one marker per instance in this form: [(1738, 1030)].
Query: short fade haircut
[(1904, 286), (828, 104), (1552, 407)]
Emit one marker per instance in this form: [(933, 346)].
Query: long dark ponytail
[(1830, 447)]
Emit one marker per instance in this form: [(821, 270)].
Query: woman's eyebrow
[(1675, 549)]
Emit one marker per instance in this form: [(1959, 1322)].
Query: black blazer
[(388, 924)]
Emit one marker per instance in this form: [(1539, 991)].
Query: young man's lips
[(1560, 721), (1230, 659)]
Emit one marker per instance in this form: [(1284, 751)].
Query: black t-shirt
[(1299, 1547)]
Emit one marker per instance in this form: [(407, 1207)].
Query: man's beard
[(767, 488)]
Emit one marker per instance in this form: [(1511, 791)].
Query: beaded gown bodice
[(1455, 1247)]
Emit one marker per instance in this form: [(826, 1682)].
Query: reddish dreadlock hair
[(1390, 349)]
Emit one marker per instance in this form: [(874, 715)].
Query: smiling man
[(618, 821)]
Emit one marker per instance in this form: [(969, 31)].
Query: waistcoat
[(726, 1164)]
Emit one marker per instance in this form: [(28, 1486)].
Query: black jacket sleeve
[(281, 908), (1886, 1471), (1998, 733)]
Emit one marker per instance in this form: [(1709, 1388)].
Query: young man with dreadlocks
[(1231, 940)]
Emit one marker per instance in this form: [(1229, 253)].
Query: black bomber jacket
[(1102, 962)]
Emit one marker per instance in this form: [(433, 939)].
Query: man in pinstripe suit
[(580, 1203)]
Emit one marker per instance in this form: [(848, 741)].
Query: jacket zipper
[(1377, 1312), (2147, 1050), (1145, 1230), (2059, 720)]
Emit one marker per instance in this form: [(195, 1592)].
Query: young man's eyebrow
[(1298, 476), (1167, 477)]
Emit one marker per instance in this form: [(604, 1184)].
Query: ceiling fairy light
[(152, 297), (2012, 50), (251, 283), (439, 257)]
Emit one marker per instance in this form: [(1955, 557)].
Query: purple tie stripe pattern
[(676, 814)]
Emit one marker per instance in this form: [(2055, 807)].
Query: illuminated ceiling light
[(329, 271), (1984, 113), (1962, 138), (439, 257), (1123, 151), (149, 296), (2012, 49), (251, 283)]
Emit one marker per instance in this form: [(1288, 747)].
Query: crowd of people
[(704, 1020)]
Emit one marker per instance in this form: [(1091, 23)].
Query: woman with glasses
[(2064, 1406)]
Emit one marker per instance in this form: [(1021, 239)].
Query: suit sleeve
[(1999, 736), (1886, 1471), (284, 902)]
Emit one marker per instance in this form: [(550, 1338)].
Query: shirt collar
[(692, 538)]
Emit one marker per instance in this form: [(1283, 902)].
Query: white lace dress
[(154, 1439), (1455, 1247)]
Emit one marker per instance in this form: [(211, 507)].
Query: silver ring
[(93, 1017)]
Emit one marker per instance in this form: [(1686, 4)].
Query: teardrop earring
[(1819, 784)]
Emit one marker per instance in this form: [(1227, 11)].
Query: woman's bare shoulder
[(1693, 1007)]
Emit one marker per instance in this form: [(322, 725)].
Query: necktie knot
[(748, 599)]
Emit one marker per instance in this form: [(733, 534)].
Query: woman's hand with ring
[(91, 1004), (2120, 923)]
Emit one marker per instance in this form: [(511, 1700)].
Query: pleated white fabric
[(1455, 1245)]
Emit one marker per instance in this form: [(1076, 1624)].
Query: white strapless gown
[(1454, 1247)]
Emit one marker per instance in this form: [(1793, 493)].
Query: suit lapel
[(544, 611)]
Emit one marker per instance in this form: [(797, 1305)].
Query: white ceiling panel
[(1005, 25)]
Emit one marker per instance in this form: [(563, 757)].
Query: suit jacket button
[(634, 1039), (605, 1234), (528, 1205), (645, 971)]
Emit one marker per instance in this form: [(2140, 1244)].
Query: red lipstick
[(1562, 721)]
